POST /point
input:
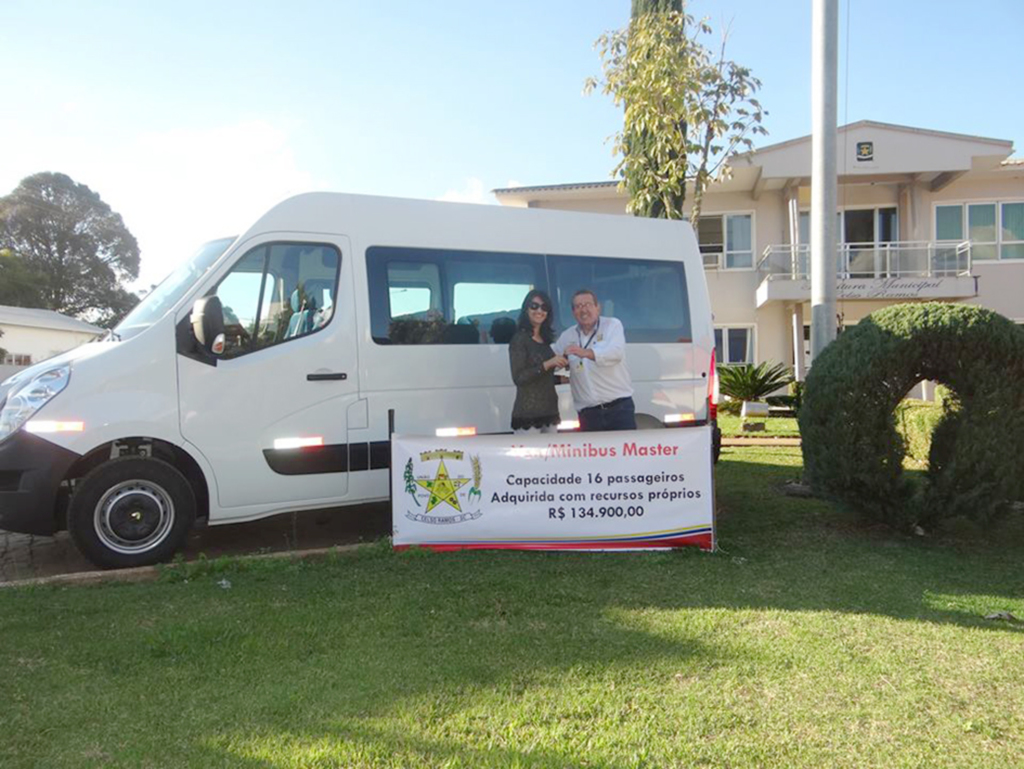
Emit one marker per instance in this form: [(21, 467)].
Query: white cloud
[(175, 189), (472, 192)]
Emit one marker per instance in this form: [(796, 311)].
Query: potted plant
[(750, 384)]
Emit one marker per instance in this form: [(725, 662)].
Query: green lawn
[(773, 426), (809, 641), (915, 420)]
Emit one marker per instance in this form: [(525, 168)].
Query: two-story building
[(923, 215)]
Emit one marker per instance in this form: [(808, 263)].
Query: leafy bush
[(730, 406), (792, 401), (796, 389), (751, 383), (852, 450)]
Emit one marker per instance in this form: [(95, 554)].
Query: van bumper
[(31, 471)]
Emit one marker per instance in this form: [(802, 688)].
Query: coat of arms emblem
[(445, 493)]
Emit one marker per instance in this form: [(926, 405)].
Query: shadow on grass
[(809, 554), (356, 744), (305, 659), (497, 659), (456, 630)]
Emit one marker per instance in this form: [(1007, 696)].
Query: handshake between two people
[(562, 361), (559, 361)]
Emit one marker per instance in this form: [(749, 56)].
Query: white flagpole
[(824, 68)]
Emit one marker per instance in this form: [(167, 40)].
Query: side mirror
[(208, 324)]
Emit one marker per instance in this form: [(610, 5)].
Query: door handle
[(324, 377)]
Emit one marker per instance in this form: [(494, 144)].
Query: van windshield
[(171, 289)]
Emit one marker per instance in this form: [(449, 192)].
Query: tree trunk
[(657, 209)]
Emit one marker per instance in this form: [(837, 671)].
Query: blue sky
[(191, 118)]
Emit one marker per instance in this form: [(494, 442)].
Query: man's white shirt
[(604, 379)]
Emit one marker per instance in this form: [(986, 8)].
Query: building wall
[(733, 292), (613, 205), (895, 151), (1000, 283), (1000, 288), (1001, 185), (857, 196), (40, 343)]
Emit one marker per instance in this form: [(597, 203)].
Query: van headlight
[(24, 401)]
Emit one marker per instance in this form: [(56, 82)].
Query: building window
[(711, 239), (1011, 231), (17, 359), (726, 240), (981, 231), (871, 226), (734, 344), (996, 230)]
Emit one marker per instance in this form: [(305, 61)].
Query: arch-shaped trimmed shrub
[(851, 448)]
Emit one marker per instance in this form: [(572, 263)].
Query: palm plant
[(748, 382)]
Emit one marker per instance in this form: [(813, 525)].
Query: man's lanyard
[(579, 338)]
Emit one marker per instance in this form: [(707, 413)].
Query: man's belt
[(609, 404)]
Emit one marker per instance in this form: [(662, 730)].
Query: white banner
[(582, 491)]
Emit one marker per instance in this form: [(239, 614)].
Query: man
[(596, 348)]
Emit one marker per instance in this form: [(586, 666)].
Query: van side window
[(277, 292), (648, 296), (414, 289), (434, 296)]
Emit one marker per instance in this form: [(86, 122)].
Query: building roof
[(902, 154), (36, 318), (884, 126), (559, 187)]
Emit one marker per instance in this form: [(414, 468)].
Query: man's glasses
[(581, 305), (537, 306)]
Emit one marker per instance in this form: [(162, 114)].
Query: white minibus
[(257, 378)]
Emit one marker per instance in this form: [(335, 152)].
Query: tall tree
[(19, 285), (78, 249), (640, 7), (642, 144), (117, 302), (686, 107)]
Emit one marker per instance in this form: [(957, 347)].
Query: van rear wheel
[(131, 511)]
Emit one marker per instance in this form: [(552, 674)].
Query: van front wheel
[(131, 512)]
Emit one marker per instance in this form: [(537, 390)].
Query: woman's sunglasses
[(537, 306)]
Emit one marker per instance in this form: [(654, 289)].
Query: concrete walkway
[(24, 556)]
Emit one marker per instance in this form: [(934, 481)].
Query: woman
[(533, 365)]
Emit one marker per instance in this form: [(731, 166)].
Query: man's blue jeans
[(617, 415)]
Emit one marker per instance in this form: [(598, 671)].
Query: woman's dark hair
[(547, 333)]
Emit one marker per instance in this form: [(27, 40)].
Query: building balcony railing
[(907, 259), (899, 271)]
